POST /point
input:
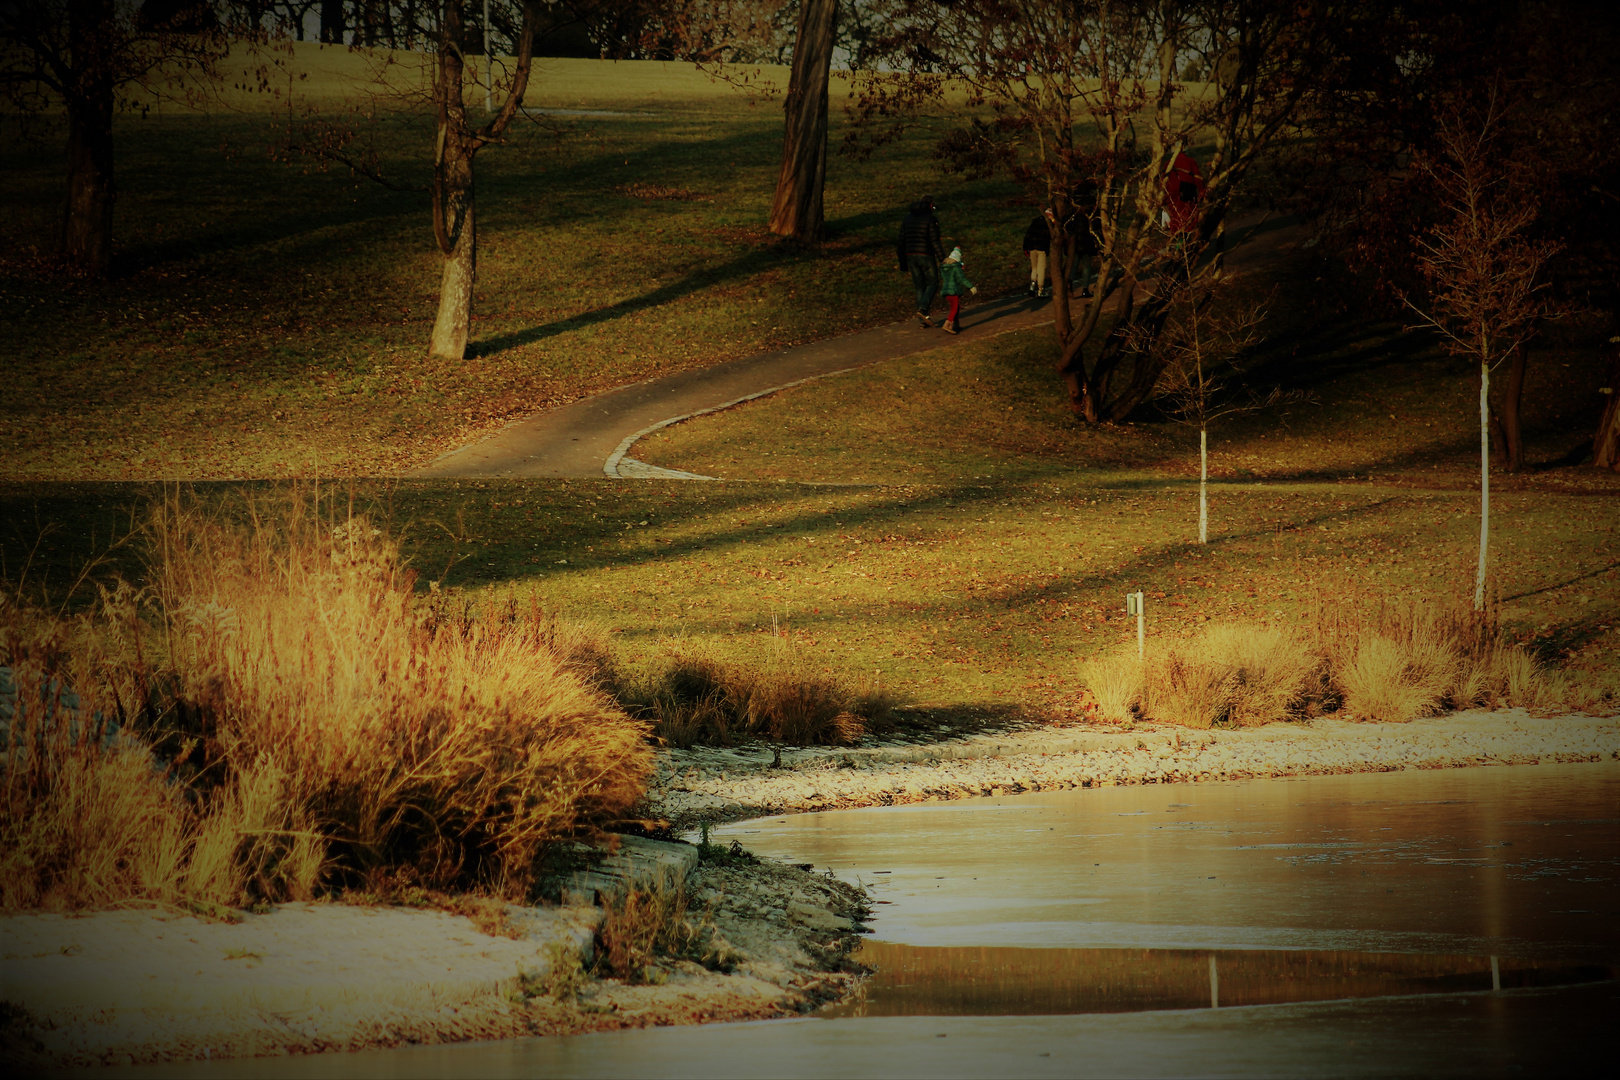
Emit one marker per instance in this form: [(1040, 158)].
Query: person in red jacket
[(1183, 191)]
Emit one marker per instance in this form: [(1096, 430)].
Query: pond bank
[(137, 986), (708, 784), (142, 986)]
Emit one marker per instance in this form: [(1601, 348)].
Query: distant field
[(270, 319)]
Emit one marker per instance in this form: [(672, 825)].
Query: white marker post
[(1134, 606)]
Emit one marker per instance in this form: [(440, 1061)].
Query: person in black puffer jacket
[(1037, 245), (920, 251)]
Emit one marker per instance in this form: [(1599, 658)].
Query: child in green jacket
[(953, 283)]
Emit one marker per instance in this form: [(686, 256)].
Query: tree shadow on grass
[(749, 263)]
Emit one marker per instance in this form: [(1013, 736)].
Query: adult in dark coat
[(1083, 227), (1038, 246), (920, 251)]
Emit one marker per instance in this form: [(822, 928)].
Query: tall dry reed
[(274, 708), (699, 698), (1374, 660)]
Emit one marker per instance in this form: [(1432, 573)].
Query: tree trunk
[(1484, 482), (451, 327), (1511, 430), (797, 209), (86, 238), (454, 223), (1606, 446), (332, 27)]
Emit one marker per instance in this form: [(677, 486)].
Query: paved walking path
[(593, 437)]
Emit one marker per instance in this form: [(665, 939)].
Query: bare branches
[(1483, 270), (1088, 109)]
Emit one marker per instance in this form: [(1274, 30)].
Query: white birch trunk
[(1203, 486), (1484, 482)]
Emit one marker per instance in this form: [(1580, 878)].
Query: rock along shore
[(710, 785)]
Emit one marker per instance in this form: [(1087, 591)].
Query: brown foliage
[(1375, 660), (274, 708)]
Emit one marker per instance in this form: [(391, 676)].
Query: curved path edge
[(593, 437)]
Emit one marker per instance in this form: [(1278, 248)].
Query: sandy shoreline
[(137, 986), (704, 784)]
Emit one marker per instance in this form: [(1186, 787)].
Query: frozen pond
[(1519, 861), (1344, 925)]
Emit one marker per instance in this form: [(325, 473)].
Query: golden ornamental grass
[(700, 698), (288, 715), (1115, 681), (1374, 660)]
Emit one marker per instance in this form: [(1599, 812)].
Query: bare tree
[(1202, 344), (1048, 69), (453, 42), (92, 59), (457, 142), (1486, 290), (796, 210)]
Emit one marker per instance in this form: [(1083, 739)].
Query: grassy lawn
[(965, 544), (271, 320), (978, 590)]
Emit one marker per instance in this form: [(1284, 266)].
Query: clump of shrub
[(698, 698), (1235, 676), (90, 816), (650, 919), (273, 710), (1378, 662), (1115, 682)]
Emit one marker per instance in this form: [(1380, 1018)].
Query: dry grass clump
[(1274, 673), (90, 816), (700, 699), (1228, 675), (1186, 686), (1115, 681), (273, 708), (1397, 662), (1375, 661), (650, 919)]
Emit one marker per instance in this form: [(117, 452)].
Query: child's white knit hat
[(955, 255)]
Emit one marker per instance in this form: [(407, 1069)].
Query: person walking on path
[(1183, 191), (953, 283), (1037, 245), (920, 252), (1082, 226)]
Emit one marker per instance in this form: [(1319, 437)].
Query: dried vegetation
[(698, 698), (1375, 661), (272, 712)]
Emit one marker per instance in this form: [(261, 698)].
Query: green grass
[(973, 594), (271, 320), (966, 544)]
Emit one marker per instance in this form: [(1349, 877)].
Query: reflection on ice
[(985, 981)]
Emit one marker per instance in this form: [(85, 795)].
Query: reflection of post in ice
[(974, 981)]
